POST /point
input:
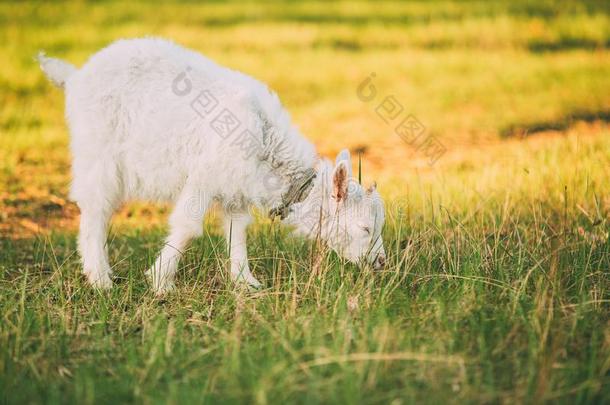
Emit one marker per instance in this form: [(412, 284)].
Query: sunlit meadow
[(497, 288)]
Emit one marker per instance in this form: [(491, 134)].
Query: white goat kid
[(152, 120)]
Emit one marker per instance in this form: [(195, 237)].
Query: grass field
[(498, 284)]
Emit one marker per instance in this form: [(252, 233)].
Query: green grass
[(498, 283), (494, 309)]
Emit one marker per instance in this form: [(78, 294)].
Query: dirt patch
[(562, 124), (32, 213)]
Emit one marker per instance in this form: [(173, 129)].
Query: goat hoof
[(100, 281), (164, 288), (159, 286), (251, 284)]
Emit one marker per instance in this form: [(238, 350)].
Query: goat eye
[(367, 230)]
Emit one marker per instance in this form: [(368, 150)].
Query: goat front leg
[(235, 225), (186, 222)]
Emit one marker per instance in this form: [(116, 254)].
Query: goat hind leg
[(92, 242)]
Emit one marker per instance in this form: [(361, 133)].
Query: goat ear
[(372, 187), (344, 156), (340, 180)]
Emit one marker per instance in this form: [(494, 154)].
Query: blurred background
[(507, 89)]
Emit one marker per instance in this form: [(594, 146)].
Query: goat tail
[(56, 70)]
